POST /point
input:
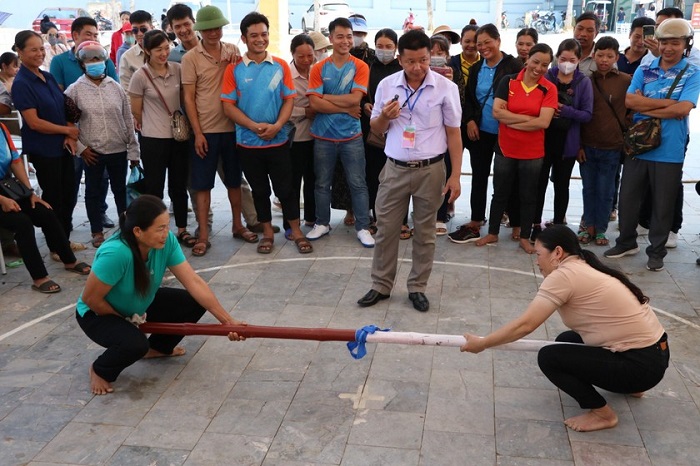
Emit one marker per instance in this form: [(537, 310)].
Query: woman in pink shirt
[(625, 347)]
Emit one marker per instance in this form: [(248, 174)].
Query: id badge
[(409, 137)]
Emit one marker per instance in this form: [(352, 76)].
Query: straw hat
[(447, 32), (321, 42)]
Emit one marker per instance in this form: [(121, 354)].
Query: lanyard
[(408, 102)]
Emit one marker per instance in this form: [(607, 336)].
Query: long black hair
[(141, 213), (562, 236)]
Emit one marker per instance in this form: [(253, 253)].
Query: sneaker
[(619, 251), (464, 235), (672, 241), (641, 231), (317, 231), (365, 238), (655, 264)]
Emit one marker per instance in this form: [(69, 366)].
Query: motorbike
[(103, 24), (504, 20), (546, 22)]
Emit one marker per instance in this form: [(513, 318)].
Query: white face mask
[(567, 67), (384, 56), (357, 40), (320, 54)]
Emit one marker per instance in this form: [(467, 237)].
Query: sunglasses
[(142, 30)]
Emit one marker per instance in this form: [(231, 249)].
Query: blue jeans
[(352, 155), (115, 165), (598, 176)]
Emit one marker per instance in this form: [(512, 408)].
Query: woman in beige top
[(156, 92), (625, 345)]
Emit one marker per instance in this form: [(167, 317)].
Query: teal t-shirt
[(114, 266)]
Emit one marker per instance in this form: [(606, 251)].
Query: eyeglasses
[(53, 35), (142, 30)]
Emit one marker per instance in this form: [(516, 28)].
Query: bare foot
[(488, 239), (595, 419), (475, 225), (526, 246), (98, 385), (637, 394), (515, 234), (177, 351)]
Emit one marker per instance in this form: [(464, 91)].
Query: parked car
[(327, 12), (62, 17)]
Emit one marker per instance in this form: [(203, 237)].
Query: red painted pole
[(250, 331)]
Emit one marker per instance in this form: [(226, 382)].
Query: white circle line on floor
[(270, 261)]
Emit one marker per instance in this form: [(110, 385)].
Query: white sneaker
[(317, 231), (641, 231), (672, 241), (365, 238)]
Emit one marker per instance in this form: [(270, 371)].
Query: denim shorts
[(222, 146)]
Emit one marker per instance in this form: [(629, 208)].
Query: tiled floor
[(276, 402)]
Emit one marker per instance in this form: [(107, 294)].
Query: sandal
[(48, 287), (75, 247), (186, 239), (515, 234), (97, 239), (303, 245), (440, 229), (199, 251), (288, 234), (601, 239), (246, 235), (81, 268), (265, 246), (584, 237), (405, 232), (349, 219)]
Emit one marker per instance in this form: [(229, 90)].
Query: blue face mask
[(96, 70)]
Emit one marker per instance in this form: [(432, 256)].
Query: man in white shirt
[(420, 112)]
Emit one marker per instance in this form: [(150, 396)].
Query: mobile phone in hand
[(648, 31)]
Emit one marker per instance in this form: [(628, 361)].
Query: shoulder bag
[(645, 135), (10, 186), (179, 125)]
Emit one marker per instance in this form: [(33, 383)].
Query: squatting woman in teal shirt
[(124, 288)]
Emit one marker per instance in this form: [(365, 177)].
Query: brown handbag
[(376, 139), (180, 126), (645, 135)]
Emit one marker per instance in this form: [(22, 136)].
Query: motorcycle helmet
[(89, 50), (676, 28)]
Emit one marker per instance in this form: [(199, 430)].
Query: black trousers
[(265, 165), (442, 211), (167, 155), (375, 158), (56, 176), (302, 154), (577, 369), (645, 210), (561, 169), (480, 157), (22, 225), (125, 343)]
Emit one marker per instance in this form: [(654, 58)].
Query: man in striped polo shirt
[(258, 95)]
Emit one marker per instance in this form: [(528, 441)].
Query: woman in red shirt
[(524, 105)]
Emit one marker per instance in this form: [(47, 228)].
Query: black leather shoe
[(420, 302), (107, 222), (371, 298)]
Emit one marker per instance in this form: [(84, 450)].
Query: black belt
[(417, 163)]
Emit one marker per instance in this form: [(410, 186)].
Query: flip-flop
[(303, 245), (186, 239), (46, 287), (81, 268), (265, 246), (440, 229), (198, 252), (246, 235)]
